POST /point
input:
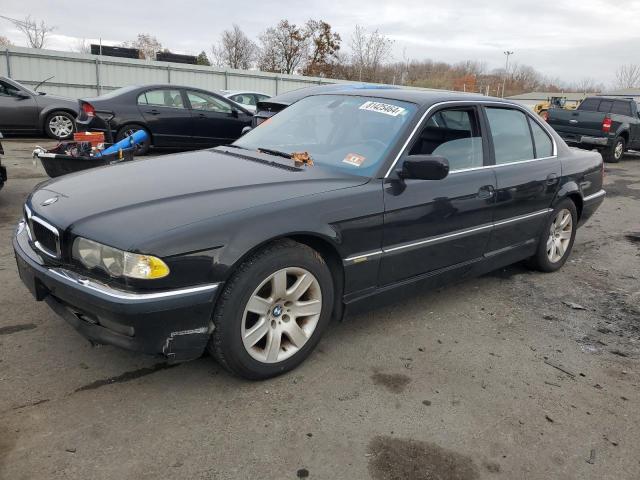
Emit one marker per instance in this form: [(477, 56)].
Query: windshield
[(340, 131)]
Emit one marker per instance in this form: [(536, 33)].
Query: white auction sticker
[(380, 107)]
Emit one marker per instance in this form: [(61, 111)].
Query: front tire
[(59, 125), (557, 237), (273, 311), (614, 153)]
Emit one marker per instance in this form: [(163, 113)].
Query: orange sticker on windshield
[(354, 159)]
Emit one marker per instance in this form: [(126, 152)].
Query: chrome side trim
[(92, 286), (362, 257), (588, 198), (365, 256), (476, 102), (522, 217), (459, 233)]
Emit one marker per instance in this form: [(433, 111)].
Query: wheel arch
[(572, 192), (326, 248)]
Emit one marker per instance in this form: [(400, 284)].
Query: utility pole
[(506, 70)]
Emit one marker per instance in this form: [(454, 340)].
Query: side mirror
[(246, 129), (424, 167), (22, 95)]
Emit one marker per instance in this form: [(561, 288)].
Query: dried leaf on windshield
[(302, 158)]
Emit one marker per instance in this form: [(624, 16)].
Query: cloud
[(560, 38)]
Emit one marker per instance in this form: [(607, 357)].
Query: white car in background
[(245, 98)]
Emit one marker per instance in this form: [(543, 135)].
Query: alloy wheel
[(618, 151), (281, 315), (61, 126), (560, 233)]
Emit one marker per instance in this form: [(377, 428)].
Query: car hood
[(152, 196)]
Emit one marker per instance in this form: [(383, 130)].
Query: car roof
[(236, 92)]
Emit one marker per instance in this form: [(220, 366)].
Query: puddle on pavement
[(406, 459), (394, 382)]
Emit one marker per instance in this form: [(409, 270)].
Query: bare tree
[(284, 48), (147, 44), (628, 76), (587, 85), (5, 42), (81, 46), (36, 33), (369, 52), (323, 49), (235, 50)]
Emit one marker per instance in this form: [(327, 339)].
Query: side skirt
[(405, 289)]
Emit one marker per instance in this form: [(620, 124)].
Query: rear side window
[(161, 98), (511, 135), (605, 106), (590, 104), (244, 99), (541, 140), (622, 108), (453, 134)]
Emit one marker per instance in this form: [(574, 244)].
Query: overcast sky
[(563, 39)]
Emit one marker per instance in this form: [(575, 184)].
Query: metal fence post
[(98, 85), (168, 73), (6, 52), (226, 79), (277, 84)]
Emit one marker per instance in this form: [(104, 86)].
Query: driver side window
[(7, 90), (453, 133)]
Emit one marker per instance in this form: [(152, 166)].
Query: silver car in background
[(247, 99)]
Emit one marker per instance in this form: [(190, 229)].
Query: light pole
[(506, 70)]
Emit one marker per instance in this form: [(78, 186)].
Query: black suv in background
[(610, 124)]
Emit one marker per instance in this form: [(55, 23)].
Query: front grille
[(45, 237)]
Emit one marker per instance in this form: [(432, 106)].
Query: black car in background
[(25, 111), (249, 249), (174, 116)]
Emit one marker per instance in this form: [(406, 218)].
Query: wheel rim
[(617, 153), (281, 315), (61, 126), (559, 235)]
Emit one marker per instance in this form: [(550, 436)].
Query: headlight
[(116, 262)]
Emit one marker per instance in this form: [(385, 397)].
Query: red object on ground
[(95, 138)]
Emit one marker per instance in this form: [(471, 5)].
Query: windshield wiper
[(277, 153), (231, 145)]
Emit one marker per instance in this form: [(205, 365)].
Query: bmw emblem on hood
[(49, 201)]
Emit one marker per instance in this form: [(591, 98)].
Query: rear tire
[(59, 125), (614, 153), (273, 311), (556, 239), (129, 130)]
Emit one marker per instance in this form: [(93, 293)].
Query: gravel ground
[(516, 374)]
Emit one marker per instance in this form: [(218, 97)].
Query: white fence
[(82, 75)]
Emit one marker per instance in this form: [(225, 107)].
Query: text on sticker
[(385, 108)]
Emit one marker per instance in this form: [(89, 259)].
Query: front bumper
[(173, 323)]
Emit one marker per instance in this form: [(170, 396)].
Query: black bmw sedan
[(248, 250), (173, 116)]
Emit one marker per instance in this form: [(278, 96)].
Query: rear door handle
[(486, 191), (153, 112), (552, 178)]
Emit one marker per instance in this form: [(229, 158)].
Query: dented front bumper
[(173, 323)]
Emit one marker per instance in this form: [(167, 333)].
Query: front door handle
[(486, 191), (552, 178)]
